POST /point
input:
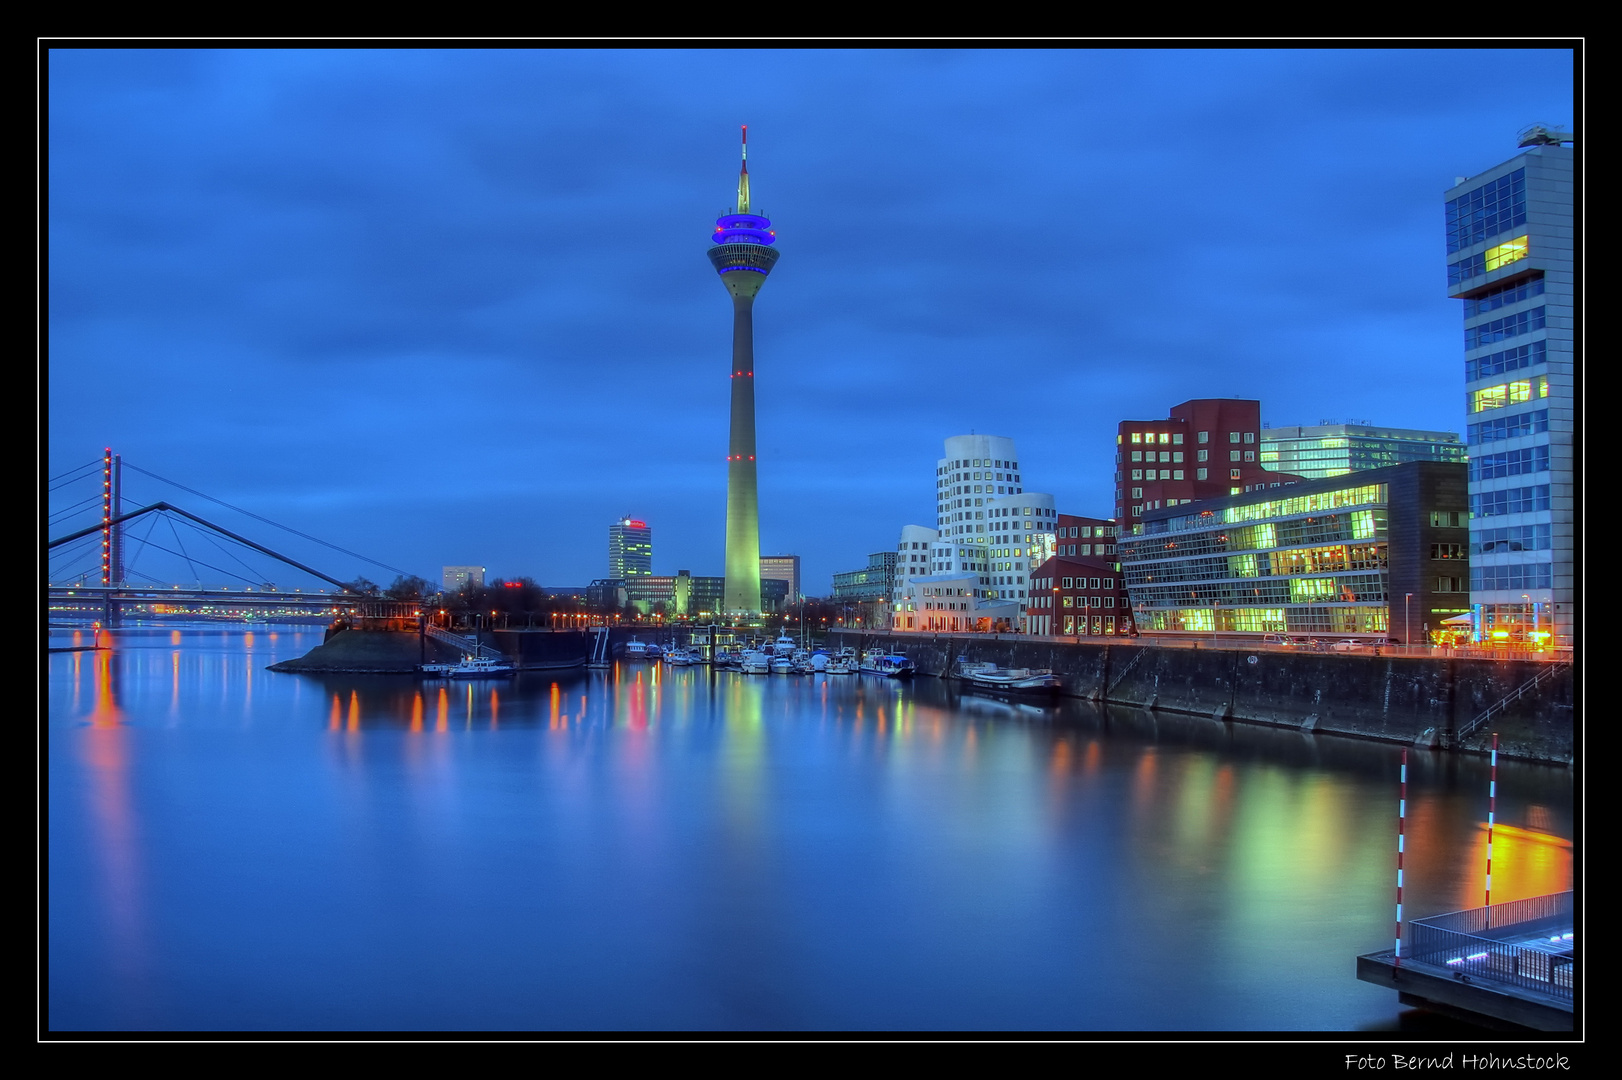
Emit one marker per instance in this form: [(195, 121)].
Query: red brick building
[(1075, 596), (1207, 448)]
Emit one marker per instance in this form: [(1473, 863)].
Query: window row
[(1491, 259), (1165, 455), (1510, 393), (1512, 576), (1521, 356), (1510, 538), (1510, 463), (1509, 501), (1503, 296), (1522, 322)]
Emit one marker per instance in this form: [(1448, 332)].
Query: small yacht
[(636, 650), (477, 667), (1040, 682), (755, 662), (679, 657)]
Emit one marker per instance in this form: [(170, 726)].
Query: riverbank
[(398, 652), (1423, 701)]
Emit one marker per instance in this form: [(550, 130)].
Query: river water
[(658, 849)]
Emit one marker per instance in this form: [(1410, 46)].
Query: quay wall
[(1423, 700), (385, 651)]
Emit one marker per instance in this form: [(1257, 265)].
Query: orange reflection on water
[(442, 721), (354, 711), (174, 637), (416, 711), (555, 700), (1524, 863), (493, 702), (335, 721), (105, 711)]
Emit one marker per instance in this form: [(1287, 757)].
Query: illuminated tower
[(743, 255)]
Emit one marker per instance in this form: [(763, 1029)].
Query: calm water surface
[(233, 849)]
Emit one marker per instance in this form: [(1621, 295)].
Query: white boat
[(479, 667), (1029, 681), (636, 650), (842, 662), (679, 657), (755, 662), (890, 665), (782, 665), (784, 645)]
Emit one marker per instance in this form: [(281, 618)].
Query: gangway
[(599, 648), (469, 646)]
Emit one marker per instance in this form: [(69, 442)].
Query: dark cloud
[(446, 306)]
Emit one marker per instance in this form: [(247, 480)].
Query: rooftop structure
[(1331, 448), (630, 548)]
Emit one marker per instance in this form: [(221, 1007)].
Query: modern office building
[(783, 568), (1206, 448), (866, 593), (988, 529), (630, 549), (454, 577), (677, 596), (1511, 259), (742, 253), (1330, 448), (1374, 555)]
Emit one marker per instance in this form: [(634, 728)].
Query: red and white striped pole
[(1402, 814), (1492, 806)]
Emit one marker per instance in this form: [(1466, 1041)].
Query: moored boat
[(890, 665), (470, 667), (1027, 681)]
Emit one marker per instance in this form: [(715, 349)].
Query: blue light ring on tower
[(743, 228)]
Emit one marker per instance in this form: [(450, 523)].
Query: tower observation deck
[(743, 254)]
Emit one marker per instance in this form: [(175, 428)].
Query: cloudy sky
[(453, 306)]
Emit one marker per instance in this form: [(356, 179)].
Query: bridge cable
[(267, 521), (215, 541), (96, 464), (75, 508), (179, 543)]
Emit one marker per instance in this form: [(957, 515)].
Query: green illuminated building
[(1332, 449)]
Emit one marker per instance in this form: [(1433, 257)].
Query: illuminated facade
[(1511, 260), (742, 253), (630, 549), (1331, 449), (1078, 597), (1377, 555), (1206, 448)]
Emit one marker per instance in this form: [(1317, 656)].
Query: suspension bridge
[(96, 571)]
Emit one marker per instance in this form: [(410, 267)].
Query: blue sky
[(444, 306)]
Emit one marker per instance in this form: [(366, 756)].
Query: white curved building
[(990, 531)]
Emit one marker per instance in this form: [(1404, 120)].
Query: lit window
[(1136, 438), (1505, 253)]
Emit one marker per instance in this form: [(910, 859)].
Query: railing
[(465, 644), (1527, 943), (1514, 695)]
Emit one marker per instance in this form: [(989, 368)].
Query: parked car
[(1346, 646), (1282, 640)]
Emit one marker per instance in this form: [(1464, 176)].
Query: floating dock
[(1510, 966)]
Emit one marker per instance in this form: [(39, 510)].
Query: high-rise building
[(1206, 448), (743, 255), (783, 568), (454, 577), (1331, 448), (630, 548), (1510, 258)]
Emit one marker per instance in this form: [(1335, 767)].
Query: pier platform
[(1511, 966)]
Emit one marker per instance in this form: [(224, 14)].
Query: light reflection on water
[(232, 848)]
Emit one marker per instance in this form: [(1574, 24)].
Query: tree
[(409, 587)]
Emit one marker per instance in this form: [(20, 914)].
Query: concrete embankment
[(1415, 700), (393, 652)]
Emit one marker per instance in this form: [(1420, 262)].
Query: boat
[(679, 657), (784, 645), (470, 667), (755, 662), (890, 665), (652, 652), (1027, 681), (636, 650), (782, 665), (842, 662)]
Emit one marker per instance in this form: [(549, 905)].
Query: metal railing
[(465, 644), (1514, 695), (1527, 943)]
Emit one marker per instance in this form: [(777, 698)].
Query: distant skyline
[(450, 307)]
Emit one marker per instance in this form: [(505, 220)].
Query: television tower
[(743, 255)]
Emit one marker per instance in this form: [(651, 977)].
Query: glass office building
[(1332, 449), (630, 549), (1378, 555), (1510, 259)]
